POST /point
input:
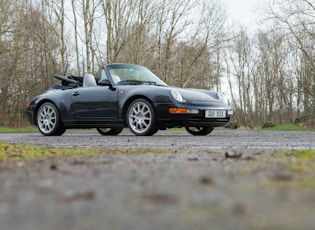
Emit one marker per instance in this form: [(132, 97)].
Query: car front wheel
[(141, 118), (199, 131), (109, 131), (48, 120)]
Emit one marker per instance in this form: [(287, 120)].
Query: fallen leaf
[(207, 180), (193, 159), (240, 208), (282, 177), (89, 195), (53, 167), (233, 154), (161, 198)]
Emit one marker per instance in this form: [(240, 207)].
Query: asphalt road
[(174, 139), (230, 179)]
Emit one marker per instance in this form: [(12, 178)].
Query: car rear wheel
[(199, 131), (48, 120), (141, 118), (109, 131)]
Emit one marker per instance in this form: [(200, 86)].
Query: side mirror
[(105, 82)]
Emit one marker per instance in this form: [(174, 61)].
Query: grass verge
[(18, 130), (296, 169), (289, 127), (29, 152), (20, 152)]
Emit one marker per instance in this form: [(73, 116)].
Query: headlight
[(177, 96), (223, 98)]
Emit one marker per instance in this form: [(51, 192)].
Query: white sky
[(244, 12)]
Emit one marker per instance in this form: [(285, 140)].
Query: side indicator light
[(177, 110)]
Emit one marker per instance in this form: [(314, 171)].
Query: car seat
[(115, 78), (89, 80)]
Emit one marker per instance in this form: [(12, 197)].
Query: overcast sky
[(244, 11)]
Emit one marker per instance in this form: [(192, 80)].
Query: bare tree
[(207, 37), (7, 27), (88, 9), (76, 35), (55, 10), (297, 18), (118, 17), (172, 20)]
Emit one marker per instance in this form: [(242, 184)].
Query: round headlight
[(223, 98), (177, 96), (220, 96)]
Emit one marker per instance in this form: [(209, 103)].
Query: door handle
[(75, 94)]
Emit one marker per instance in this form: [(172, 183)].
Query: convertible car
[(126, 95)]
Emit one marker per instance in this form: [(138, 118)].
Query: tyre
[(48, 120), (109, 131), (199, 131), (141, 118)]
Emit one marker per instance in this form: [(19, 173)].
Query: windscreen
[(133, 74)]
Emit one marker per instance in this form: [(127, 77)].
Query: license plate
[(215, 114)]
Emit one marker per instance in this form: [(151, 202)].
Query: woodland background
[(268, 73)]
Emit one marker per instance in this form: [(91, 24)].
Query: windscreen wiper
[(149, 82), (130, 82), (136, 82)]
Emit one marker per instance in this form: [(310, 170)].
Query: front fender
[(60, 98), (154, 94)]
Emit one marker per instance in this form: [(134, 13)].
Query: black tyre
[(109, 131), (199, 131), (48, 120), (141, 118)]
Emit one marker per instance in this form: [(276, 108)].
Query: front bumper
[(179, 115), (195, 120), (30, 115)]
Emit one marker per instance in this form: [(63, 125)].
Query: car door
[(97, 103)]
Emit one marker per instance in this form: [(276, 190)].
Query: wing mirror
[(105, 82)]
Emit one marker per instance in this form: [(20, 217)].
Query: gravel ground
[(174, 139), (227, 180)]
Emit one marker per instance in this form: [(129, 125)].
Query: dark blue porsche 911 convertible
[(126, 95)]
